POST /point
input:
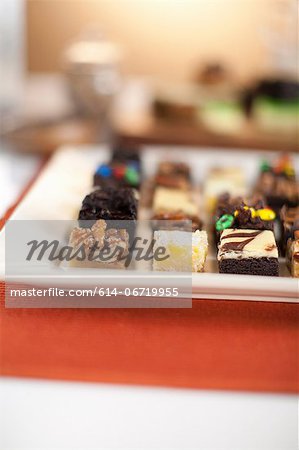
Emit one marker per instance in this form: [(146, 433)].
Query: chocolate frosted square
[(109, 204), (118, 207)]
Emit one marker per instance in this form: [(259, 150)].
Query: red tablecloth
[(216, 344)]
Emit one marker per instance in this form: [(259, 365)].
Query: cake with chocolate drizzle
[(248, 252)]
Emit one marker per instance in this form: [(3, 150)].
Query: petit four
[(99, 246), (109, 204), (173, 175), (290, 222), (292, 254), (199, 250), (184, 251), (173, 200), (176, 220), (220, 180), (118, 206), (248, 251)]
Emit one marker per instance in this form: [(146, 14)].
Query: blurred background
[(220, 73), (167, 38)]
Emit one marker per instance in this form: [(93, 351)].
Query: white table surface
[(65, 415), (16, 170)]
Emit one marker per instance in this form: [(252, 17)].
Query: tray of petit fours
[(240, 209)]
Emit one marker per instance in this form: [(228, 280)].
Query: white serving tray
[(58, 192)]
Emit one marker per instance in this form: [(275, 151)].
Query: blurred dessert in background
[(220, 109), (214, 80), (174, 204), (223, 116), (171, 220), (223, 179), (212, 74), (174, 200), (122, 170), (173, 175), (277, 183), (273, 105), (175, 101), (92, 68)]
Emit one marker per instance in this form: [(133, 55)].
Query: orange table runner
[(216, 344)]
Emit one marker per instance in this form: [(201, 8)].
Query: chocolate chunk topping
[(244, 219)]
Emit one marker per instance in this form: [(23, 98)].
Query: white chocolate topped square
[(242, 244)]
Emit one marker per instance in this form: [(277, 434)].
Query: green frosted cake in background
[(276, 115), (273, 104)]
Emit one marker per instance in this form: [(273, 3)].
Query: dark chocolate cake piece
[(109, 204), (117, 207), (248, 252)]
